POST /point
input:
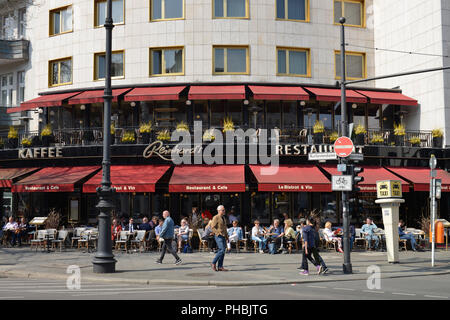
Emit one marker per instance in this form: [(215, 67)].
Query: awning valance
[(381, 97), (334, 95), (138, 178), (96, 96), (7, 175), (49, 100), (279, 93), (154, 93), (217, 92)]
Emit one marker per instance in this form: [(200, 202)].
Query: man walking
[(167, 233), (219, 228), (310, 249)]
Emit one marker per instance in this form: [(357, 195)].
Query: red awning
[(96, 96), (371, 175), (420, 177), (208, 178), (154, 93), (334, 95), (8, 175), (291, 178), (278, 93), (49, 100), (142, 178), (217, 93), (379, 97), (53, 179)]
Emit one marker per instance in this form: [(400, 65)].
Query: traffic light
[(354, 171)]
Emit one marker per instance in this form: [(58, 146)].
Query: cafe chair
[(60, 240), (76, 235), (122, 241), (203, 247), (403, 243), (330, 244), (139, 241), (40, 239)]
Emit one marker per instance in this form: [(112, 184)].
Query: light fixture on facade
[(52, 113), (188, 102), (83, 107), (40, 110), (303, 103), (354, 106), (133, 104), (246, 102)]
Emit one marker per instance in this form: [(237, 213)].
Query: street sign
[(356, 157), (343, 147), (341, 183), (389, 189), (322, 156)]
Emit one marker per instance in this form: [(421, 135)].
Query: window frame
[(163, 66), (104, 53), (351, 53), (308, 62), (22, 21), (247, 10), (163, 6), (363, 13), (9, 89), (102, 24), (50, 62), (286, 10), (20, 85), (225, 62), (51, 12)]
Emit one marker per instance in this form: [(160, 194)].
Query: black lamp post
[(104, 261)]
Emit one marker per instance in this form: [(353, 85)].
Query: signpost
[(433, 163), (343, 146), (341, 183)]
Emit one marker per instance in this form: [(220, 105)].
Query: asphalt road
[(427, 287)]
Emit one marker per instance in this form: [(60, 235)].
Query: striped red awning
[(420, 177), (217, 93), (8, 175), (279, 93), (96, 96), (154, 93), (334, 95), (381, 97), (49, 100)]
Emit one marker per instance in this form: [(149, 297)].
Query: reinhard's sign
[(389, 189)]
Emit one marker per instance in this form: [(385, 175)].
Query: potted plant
[(128, 137), (377, 139), (182, 126), (360, 133), (2, 143), (208, 136), (334, 136), (399, 133), (13, 138), (415, 141), (26, 142), (318, 131), (438, 135), (46, 135), (145, 129), (113, 133), (163, 135)]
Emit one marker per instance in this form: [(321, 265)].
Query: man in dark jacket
[(167, 233), (309, 248)]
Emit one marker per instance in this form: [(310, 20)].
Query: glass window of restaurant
[(359, 114), (273, 113), (260, 207), (187, 201), (179, 111), (326, 116), (328, 207), (259, 115), (373, 118), (141, 205), (232, 203), (300, 204), (96, 115), (280, 204), (290, 114), (234, 110), (217, 109), (201, 113)]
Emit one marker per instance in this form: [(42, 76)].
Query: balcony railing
[(14, 50), (94, 136)]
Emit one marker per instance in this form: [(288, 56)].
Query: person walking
[(167, 233), (219, 228), (310, 249)]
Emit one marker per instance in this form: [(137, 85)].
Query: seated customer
[(234, 234), (368, 231), (330, 235), (183, 233), (208, 235), (145, 225), (115, 230), (130, 226), (405, 235), (289, 234), (258, 236), (10, 229), (277, 233), (22, 230)]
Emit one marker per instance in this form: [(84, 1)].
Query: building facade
[(266, 64)]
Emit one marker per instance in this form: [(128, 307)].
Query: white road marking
[(12, 298), (319, 287), (346, 289), (373, 291), (141, 292), (403, 294), (437, 297)]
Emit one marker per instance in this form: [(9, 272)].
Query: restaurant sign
[(45, 152)]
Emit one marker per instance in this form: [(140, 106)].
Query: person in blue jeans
[(258, 236), (407, 236), (219, 228), (167, 233)]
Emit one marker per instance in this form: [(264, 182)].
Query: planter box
[(46, 140), (13, 143), (318, 138), (438, 142), (359, 139), (146, 137), (399, 140)]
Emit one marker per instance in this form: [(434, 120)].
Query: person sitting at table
[(330, 235), (183, 233), (145, 225), (258, 236), (289, 234), (10, 229), (232, 216), (154, 222), (115, 230), (276, 232), (208, 235), (368, 231), (131, 227), (23, 230), (406, 235), (234, 234)]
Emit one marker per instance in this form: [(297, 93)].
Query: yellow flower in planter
[(182, 126), (334, 136), (228, 124), (208, 136), (113, 129), (163, 135), (128, 136), (377, 138), (318, 127), (437, 133), (145, 127), (360, 129), (415, 140), (13, 133), (26, 142), (399, 129), (47, 131)]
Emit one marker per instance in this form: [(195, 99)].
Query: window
[(293, 62), (61, 20), (355, 65), (7, 88), (166, 9), (7, 26), (22, 23), (166, 61), (352, 10), (100, 12), (60, 72), (230, 60), (117, 65), (20, 87), (230, 8), (293, 10)]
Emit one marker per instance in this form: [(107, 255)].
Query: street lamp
[(104, 261)]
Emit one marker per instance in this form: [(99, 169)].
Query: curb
[(329, 278)]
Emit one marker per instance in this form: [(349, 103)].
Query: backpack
[(187, 249)]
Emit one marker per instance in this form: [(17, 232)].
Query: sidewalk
[(246, 269)]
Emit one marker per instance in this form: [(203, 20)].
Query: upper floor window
[(117, 65), (166, 9), (20, 87), (166, 61), (230, 60), (293, 10), (22, 23), (60, 72), (118, 10), (352, 10), (6, 89), (230, 8), (7, 25), (293, 62), (61, 20), (355, 63)]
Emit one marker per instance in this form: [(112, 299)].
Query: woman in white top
[(258, 236), (328, 233), (183, 233)]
